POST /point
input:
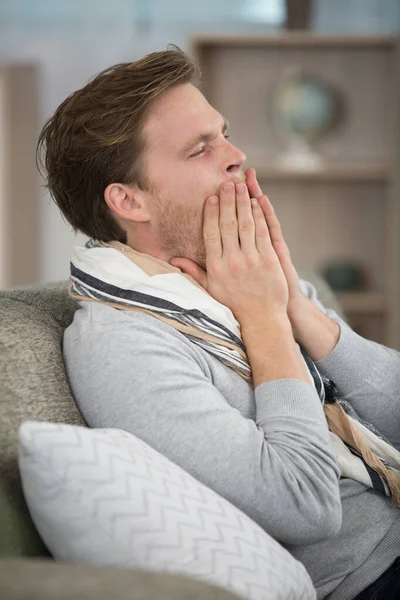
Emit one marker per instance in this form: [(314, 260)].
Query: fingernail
[(240, 188), (213, 200), (227, 187)]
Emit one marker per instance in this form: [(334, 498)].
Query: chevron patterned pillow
[(103, 496)]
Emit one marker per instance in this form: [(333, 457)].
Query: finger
[(275, 231), (227, 218), (272, 220), (252, 184), (262, 235), (277, 239), (189, 267), (246, 226), (211, 230)]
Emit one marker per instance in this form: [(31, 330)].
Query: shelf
[(355, 173), (350, 206), (302, 39), (362, 302)]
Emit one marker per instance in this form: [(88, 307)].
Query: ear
[(127, 202)]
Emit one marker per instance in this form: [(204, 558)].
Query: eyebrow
[(203, 138)]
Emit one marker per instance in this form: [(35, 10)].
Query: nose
[(234, 160)]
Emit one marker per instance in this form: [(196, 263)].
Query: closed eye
[(198, 152), (204, 148)]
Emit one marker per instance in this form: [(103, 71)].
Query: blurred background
[(310, 88)]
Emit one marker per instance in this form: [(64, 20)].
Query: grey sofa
[(33, 385)]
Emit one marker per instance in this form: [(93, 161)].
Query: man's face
[(187, 159)]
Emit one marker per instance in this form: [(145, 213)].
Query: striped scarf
[(118, 276)]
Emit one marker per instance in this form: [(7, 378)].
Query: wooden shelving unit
[(19, 127), (349, 209), (338, 173), (296, 39)]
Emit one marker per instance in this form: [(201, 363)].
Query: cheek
[(188, 184), (200, 186)]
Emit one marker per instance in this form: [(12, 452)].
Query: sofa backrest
[(33, 385)]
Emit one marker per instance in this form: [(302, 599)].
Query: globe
[(305, 107)]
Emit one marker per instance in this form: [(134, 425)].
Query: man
[(195, 333)]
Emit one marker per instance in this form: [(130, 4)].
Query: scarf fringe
[(340, 424)]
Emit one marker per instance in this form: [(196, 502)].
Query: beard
[(180, 227), (180, 231)]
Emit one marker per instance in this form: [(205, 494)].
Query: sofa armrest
[(45, 579)]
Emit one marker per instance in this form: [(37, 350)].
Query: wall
[(2, 185), (74, 39)]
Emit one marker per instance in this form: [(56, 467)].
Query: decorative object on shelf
[(344, 276), (298, 14), (304, 109)]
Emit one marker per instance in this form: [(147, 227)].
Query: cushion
[(103, 496), (41, 579), (33, 385)]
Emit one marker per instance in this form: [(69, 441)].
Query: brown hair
[(95, 138)]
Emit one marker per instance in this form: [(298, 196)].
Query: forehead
[(180, 114)]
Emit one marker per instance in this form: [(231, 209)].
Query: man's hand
[(296, 298), (243, 270), (316, 332)]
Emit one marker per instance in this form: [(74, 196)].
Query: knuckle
[(234, 264), (211, 236), (263, 233), (229, 226), (268, 261), (227, 196), (252, 261), (246, 225), (214, 269)]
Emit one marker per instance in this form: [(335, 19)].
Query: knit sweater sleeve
[(366, 373), (138, 374)]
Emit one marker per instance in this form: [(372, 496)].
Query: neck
[(143, 239)]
